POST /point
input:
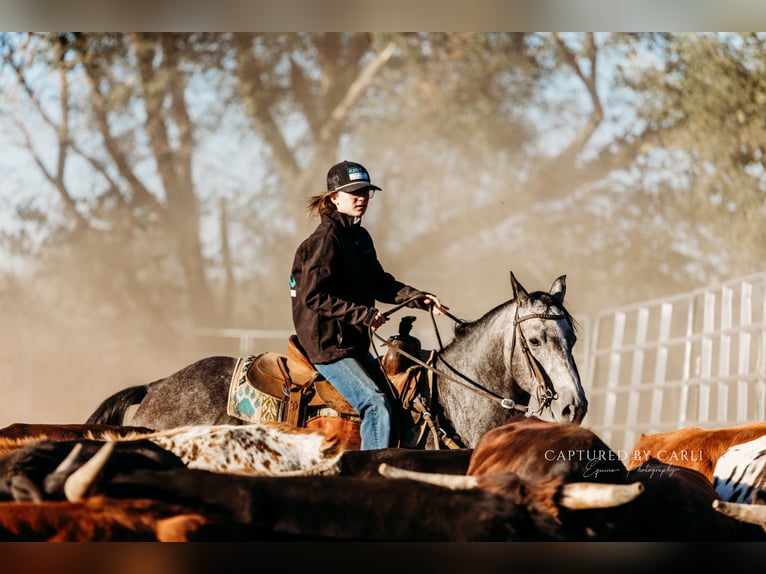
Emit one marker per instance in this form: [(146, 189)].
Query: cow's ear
[(520, 294), (559, 289)]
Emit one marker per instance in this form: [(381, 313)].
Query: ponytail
[(319, 204)]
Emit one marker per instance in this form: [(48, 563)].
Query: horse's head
[(540, 355)]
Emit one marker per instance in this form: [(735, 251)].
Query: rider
[(335, 280)]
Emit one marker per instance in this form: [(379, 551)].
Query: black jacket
[(336, 279)]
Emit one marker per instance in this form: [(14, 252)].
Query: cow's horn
[(585, 495), (80, 481), (54, 480), (750, 513), (68, 462), (452, 481)]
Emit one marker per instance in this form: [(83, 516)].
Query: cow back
[(536, 450), (692, 447)]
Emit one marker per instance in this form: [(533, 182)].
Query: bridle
[(545, 394)]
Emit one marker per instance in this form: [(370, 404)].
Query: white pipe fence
[(695, 359)]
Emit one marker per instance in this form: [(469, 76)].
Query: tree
[(180, 165)]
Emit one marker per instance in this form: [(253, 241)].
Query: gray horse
[(516, 358)]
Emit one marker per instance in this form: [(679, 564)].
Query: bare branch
[(589, 81), (141, 195), (334, 124)]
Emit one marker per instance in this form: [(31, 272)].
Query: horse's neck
[(479, 357), (479, 352)]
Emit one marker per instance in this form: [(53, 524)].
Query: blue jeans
[(360, 390)]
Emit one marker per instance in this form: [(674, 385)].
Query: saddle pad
[(248, 403)]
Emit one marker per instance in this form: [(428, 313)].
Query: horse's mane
[(463, 329)]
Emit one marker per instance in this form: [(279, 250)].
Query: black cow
[(35, 472)]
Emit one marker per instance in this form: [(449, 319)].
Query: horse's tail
[(112, 410)]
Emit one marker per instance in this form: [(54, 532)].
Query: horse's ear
[(519, 293), (559, 289)]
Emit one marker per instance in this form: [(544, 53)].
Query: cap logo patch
[(355, 173)]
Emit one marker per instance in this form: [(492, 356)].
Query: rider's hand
[(432, 302), (377, 321)]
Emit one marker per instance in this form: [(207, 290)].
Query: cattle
[(260, 449), (528, 480), (675, 505), (264, 449), (693, 447), (270, 449), (353, 508), (740, 473), (535, 449), (97, 519), (38, 470)]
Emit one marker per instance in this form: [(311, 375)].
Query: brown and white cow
[(263, 449), (693, 447)]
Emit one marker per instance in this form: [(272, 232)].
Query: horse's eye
[(534, 341)]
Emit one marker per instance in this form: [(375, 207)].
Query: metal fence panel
[(695, 359)]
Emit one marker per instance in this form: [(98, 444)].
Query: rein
[(545, 395), (505, 402)]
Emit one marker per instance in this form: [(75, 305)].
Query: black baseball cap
[(349, 177)]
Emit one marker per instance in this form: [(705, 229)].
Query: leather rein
[(545, 395)]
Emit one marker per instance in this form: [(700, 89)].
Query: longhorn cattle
[(270, 449), (676, 503), (273, 449), (358, 508), (37, 471), (97, 519), (740, 473), (535, 450), (692, 447)]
